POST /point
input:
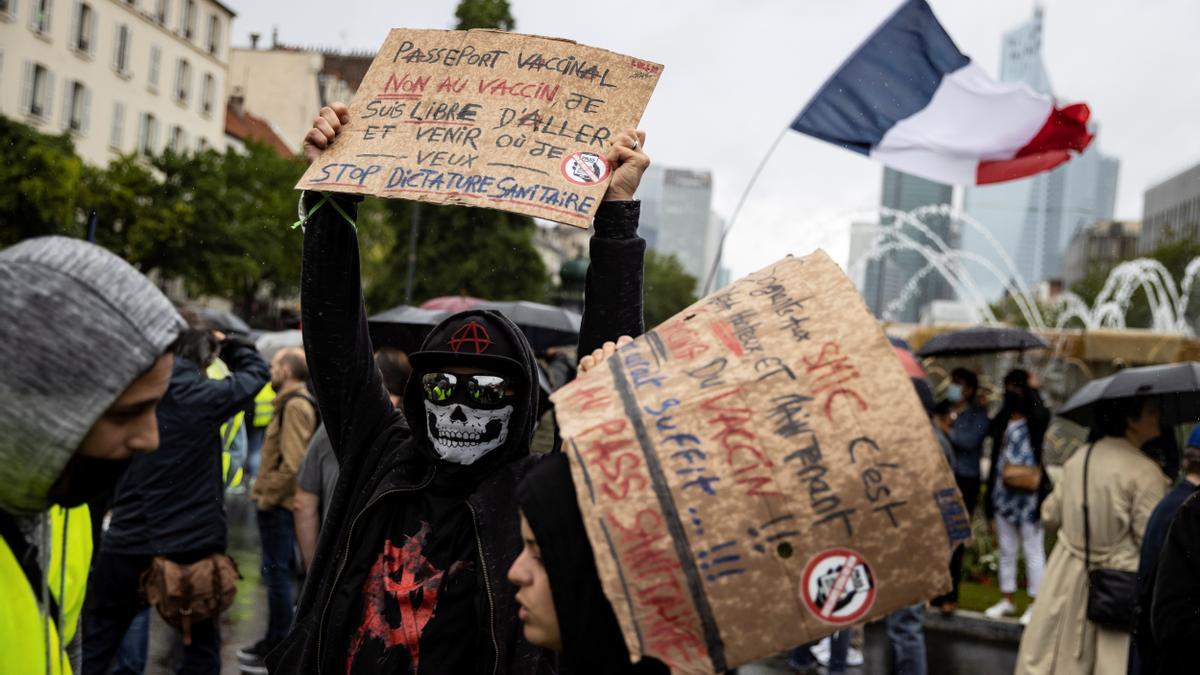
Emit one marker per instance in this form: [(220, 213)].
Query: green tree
[(484, 14), (42, 178), (668, 288), (479, 252), (218, 222)]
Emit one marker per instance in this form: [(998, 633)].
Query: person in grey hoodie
[(84, 341)]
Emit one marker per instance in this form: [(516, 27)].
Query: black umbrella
[(226, 322), (543, 325), (981, 340), (403, 327), (1176, 387)]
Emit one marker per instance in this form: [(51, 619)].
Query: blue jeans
[(275, 528), (131, 658), (839, 646), (906, 633)]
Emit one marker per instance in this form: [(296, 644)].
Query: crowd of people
[(431, 538)]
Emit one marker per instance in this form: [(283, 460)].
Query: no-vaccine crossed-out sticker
[(838, 586)]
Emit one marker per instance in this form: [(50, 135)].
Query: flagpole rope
[(738, 209)]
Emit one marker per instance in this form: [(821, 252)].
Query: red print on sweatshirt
[(403, 577)]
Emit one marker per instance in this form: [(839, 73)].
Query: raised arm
[(221, 399), (612, 301), (348, 385)]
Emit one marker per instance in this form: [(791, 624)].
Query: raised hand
[(324, 129), (629, 161), (600, 355)]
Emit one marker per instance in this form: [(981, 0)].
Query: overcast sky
[(738, 72)]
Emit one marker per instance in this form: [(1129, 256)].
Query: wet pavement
[(246, 621)]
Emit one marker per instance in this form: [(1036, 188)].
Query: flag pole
[(738, 209)]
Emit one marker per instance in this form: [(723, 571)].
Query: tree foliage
[(460, 250), (42, 180), (484, 14), (217, 222), (668, 287)]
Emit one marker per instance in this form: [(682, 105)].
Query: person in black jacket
[(1175, 614), (171, 502), (408, 573)]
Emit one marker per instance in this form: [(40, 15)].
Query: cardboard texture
[(487, 118), (758, 472)]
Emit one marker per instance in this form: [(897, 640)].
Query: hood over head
[(487, 340), (591, 636), (77, 325)]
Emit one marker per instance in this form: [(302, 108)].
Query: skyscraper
[(886, 281), (677, 218), (1033, 219)]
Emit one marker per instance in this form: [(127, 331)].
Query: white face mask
[(461, 434)]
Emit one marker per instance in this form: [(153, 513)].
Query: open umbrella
[(1176, 387), (403, 327), (269, 343), (227, 322), (981, 340), (543, 325), (451, 303)]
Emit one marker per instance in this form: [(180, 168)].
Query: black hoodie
[(390, 478), (591, 637)]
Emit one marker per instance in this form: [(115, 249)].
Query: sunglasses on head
[(484, 389)]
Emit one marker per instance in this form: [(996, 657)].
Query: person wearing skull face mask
[(84, 340), (409, 571)]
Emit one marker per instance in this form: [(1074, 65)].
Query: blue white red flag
[(910, 99)]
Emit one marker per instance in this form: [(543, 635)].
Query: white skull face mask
[(461, 434)]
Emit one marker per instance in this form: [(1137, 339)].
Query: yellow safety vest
[(219, 371), (26, 638), (264, 406)]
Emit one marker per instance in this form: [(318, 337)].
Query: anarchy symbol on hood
[(461, 434)]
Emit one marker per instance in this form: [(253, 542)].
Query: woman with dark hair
[(1013, 504), (563, 607), (1123, 487)]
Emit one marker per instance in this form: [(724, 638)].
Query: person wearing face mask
[(408, 572), (562, 604), (1123, 488), (968, 427), (84, 338)]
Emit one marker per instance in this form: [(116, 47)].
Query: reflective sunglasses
[(484, 389)]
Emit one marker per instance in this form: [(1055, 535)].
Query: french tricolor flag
[(911, 100)]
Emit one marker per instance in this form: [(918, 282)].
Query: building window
[(201, 144), (206, 94), (39, 17), (77, 107), (177, 141), (183, 81), (8, 9), (121, 50), (147, 134), (84, 29), (37, 91), (161, 10), (116, 135), (214, 33), (155, 62), (187, 19)]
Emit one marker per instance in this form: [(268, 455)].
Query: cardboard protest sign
[(487, 118), (758, 472)]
